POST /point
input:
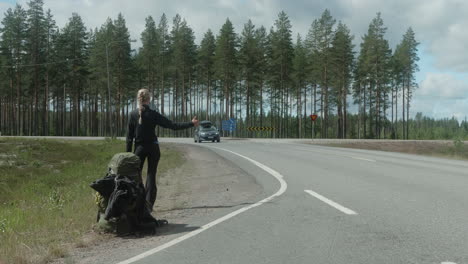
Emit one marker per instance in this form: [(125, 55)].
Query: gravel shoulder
[(205, 187)]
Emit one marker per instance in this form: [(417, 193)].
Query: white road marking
[(281, 190), (448, 263), (333, 154), (358, 158), (331, 203)]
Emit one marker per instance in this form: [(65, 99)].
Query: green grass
[(45, 198)]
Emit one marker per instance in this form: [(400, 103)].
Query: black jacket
[(144, 133)]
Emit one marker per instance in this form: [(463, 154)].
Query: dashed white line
[(281, 190), (331, 203)]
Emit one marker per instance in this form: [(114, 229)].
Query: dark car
[(206, 132)]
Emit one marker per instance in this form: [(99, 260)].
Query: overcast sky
[(441, 27)]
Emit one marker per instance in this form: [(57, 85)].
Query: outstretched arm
[(166, 123), (130, 134)]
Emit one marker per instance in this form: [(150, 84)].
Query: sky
[(440, 27)]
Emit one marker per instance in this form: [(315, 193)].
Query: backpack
[(126, 164), (120, 197)]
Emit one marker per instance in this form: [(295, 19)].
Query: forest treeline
[(80, 81)]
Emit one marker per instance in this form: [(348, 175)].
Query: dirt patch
[(446, 149), (189, 196)]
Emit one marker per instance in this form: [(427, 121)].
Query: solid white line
[(281, 190), (333, 154), (331, 203), (358, 158), (448, 263)]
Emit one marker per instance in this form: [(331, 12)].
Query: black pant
[(152, 153)]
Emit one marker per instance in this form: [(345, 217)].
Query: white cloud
[(443, 86), (440, 108), (441, 95)]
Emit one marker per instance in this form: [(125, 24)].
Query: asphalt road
[(333, 205)]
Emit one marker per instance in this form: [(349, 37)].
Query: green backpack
[(126, 164), (122, 164)]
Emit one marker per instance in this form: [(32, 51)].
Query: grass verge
[(455, 150), (45, 199)]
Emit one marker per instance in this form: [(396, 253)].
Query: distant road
[(259, 140), (335, 205)]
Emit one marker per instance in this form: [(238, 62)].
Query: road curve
[(341, 206)]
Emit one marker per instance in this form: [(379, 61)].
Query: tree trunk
[(34, 108), (64, 102), (305, 111), (208, 101), (364, 119), (393, 124), (407, 109), (315, 110), (18, 104), (403, 120), (396, 112), (247, 117), (298, 112), (345, 112), (78, 113), (261, 104)]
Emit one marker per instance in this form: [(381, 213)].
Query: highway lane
[(407, 209)]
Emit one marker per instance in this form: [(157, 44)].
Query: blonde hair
[(142, 97)]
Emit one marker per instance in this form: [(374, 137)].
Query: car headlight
[(203, 133)]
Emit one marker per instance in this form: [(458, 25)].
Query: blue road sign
[(229, 125)]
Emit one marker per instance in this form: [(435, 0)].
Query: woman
[(141, 127)]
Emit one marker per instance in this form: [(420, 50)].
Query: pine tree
[(149, 54), (14, 32), (206, 67), (75, 49), (342, 57), (374, 76), (396, 83), (163, 56), (122, 66), (36, 45), (280, 59), (314, 70), (262, 68), (410, 67), (101, 64), (248, 63), (51, 31), (183, 56), (324, 45), (300, 81), (226, 64)]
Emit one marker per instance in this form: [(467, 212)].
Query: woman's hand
[(195, 121)]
